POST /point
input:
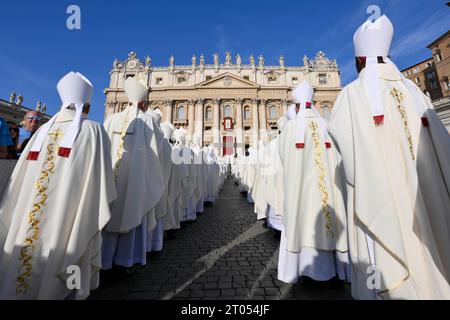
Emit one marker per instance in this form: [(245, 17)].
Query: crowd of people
[(364, 198), (14, 137), (98, 196)]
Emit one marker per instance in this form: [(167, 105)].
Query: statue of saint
[(282, 61), (238, 60), (12, 97), (216, 59), (252, 60), (305, 61), (172, 61), (19, 100), (228, 58), (194, 60), (39, 106), (202, 60), (148, 61), (261, 60)]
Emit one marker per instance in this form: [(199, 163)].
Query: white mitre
[(167, 129), (75, 90), (303, 93), (159, 115), (155, 115), (135, 90), (372, 40), (179, 135)]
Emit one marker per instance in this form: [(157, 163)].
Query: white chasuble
[(137, 169), (174, 195), (314, 213), (397, 177), (54, 211), (275, 188)]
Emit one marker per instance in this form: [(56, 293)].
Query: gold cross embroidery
[(399, 97), (55, 134)]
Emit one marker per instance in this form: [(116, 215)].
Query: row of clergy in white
[(366, 196), (94, 196)]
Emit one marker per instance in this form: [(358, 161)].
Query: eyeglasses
[(34, 118)]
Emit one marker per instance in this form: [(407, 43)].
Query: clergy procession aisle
[(225, 254)]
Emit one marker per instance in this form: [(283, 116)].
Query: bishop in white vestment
[(275, 192), (174, 187), (155, 236), (52, 214), (138, 177), (314, 233), (396, 157)]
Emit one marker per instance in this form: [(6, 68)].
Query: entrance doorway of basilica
[(228, 146)]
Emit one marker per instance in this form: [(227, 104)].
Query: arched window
[(273, 113), (326, 112), (208, 113), (228, 112), (247, 113), (181, 113)]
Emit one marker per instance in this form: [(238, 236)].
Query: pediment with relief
[(228, 80)]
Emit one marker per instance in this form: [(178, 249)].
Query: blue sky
[(37, 49)]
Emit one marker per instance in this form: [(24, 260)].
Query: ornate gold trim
[(318, 153), (119, 153), (399, 97), (35, 215)]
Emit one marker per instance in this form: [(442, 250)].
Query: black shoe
[(277, 234), (171, 234), (265, 225), (130, 271)]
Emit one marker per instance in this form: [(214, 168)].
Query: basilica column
[(199, 117), (263, 117), (239, 128), (191, 114), (255, 126), (168, 110), (216, 119)]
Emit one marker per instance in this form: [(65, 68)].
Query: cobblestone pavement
[(225, 254)]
